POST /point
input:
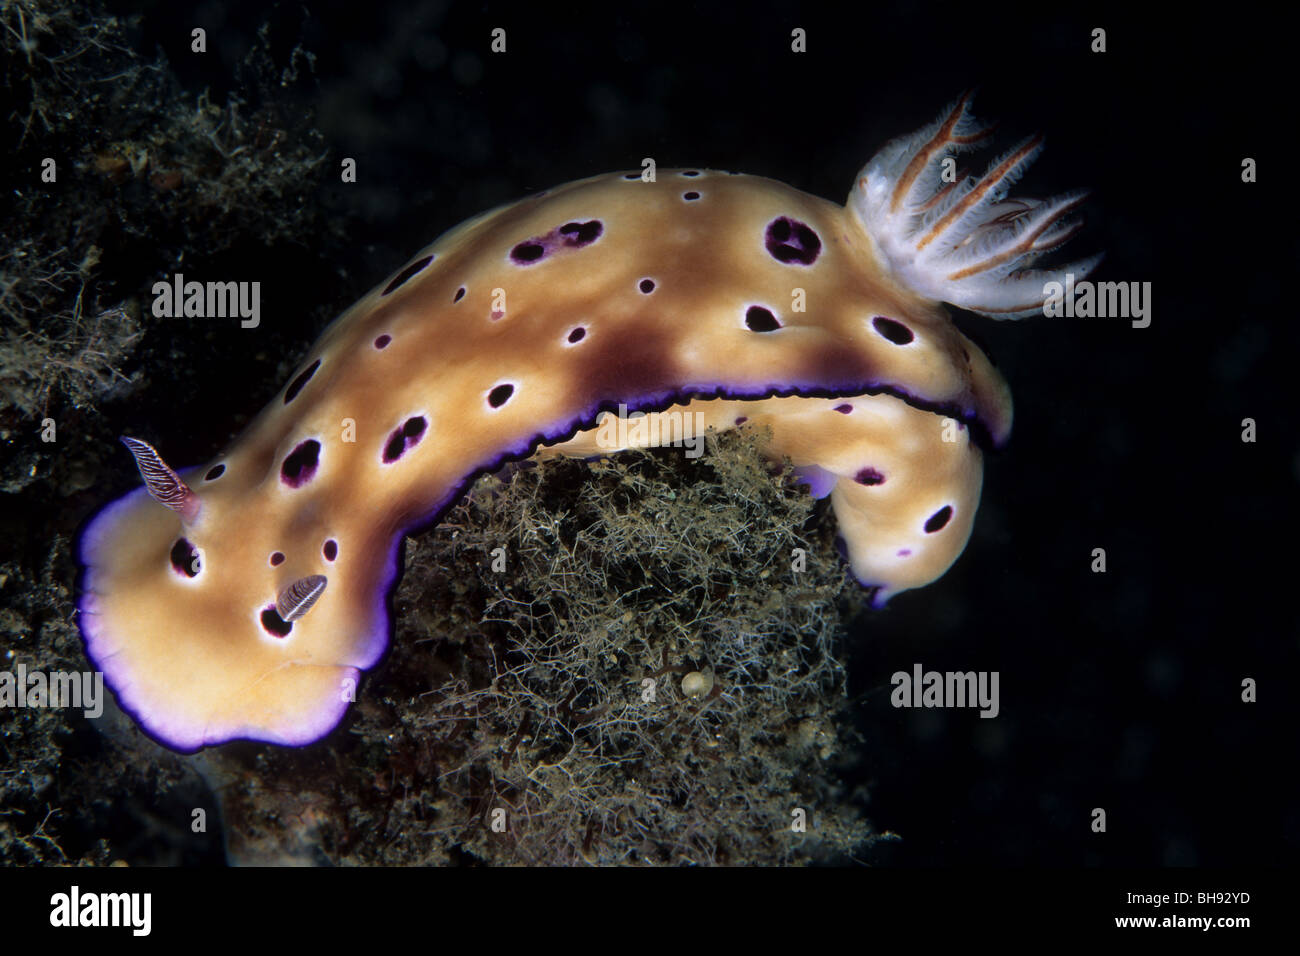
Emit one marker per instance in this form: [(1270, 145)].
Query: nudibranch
[(242, 598)]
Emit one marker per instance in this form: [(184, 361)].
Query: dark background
[(1119, 690)]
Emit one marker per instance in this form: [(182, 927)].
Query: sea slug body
[(242, 598)]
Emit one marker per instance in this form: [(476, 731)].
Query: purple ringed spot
[(382, 341), (579, 234), (300, 465), (571, 235), (528, 252), (869, 476), (274, 624), (577, 335), (792, 242), (185, 558), (404, 437)]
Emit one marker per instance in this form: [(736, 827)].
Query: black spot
[(938, 519), (646, 285), (581, 233), (896, 332), (407, 436), (760, 319), (789, 240), (331, 550), (869, 476), (275, 624), (215, 472), (844, 409), (382, 341), (691, 172), (631, 175), (460, 294), (296, 385), (277, 558), (300, 465), (500, 395), (578, 334), (185, 558), (526, 252), (406, 273), (742, 419), (691, 196)]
